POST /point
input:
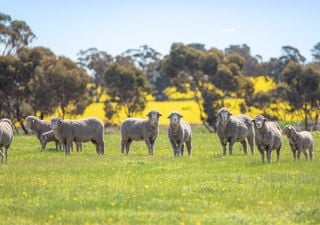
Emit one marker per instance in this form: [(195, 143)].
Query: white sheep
[(268, 136), (134, 129), (299, 142), (82, 130), (231, 129), (6, 137), (179, 133)]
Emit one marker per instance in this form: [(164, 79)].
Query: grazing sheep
[(82, 130), (6, 136), (234, 129), (268, 136), (134, 129), (48, 137), (299, 142), (38, 127), (179, 133)]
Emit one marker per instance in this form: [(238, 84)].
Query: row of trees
[(36, 81)]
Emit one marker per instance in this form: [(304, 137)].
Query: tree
[(316, 53), (209, 74), (127, 88), (97, 62), (301, 88), (14, 34)]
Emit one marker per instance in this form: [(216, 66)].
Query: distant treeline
[(35, 81)]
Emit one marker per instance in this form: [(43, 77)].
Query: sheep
[(134, 129), (48, 137), (299, 142), (6, 137), (268, 137), (179, 133), (235, 129), (82, 130), (39, 127)]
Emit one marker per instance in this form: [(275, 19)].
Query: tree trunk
[(305, 116), (23, 127), (41, 115), (316, 120)]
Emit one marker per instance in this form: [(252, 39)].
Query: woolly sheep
[(268, 136), (179, 133), (6, 136), (299, 142), (231, 129), (134, 129), (38, 127), (82, 130)]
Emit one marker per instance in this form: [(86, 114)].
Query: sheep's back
[(134, 128), (6, 134)]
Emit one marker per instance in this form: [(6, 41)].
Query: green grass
[(83, 188)]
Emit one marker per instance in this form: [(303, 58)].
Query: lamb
[(179, 133), (6, 136), (299, 142), (268, 136), (39, 127), (48, 137), (134, 129), (235, 129), (82, 130)]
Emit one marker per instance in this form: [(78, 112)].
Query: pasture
[(84, 188)]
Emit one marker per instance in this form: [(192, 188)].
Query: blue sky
[(67, 26)]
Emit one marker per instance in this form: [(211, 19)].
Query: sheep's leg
[(149, 145), (182, 149), (311, 152), (245, 147), (6, 153), (69, 145), (128, 143), (123, 144), (189, 146), (224, 146), (1, 154), (269, 155), (56, 145), (278, 154), (298, 154), (230, 147), (251, 144), (294, 153), (305, 154), (43, 146), (101, 147), (174, 147), (261, 153)]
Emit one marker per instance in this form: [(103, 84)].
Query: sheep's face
[(259, 121), (224, 115), (288, 130), (55, 122), (175, 118), (31, 121), (153, 117)]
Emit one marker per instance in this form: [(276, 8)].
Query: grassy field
[(83, 188)]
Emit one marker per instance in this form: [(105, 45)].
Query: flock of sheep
[(267, 135)]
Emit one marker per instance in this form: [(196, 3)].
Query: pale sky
[(67, 26)]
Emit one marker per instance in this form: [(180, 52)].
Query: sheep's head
[(288, 130), (55, 122), (224, 115), (31, 122), (175, 118), (153, 117), (259, 121)]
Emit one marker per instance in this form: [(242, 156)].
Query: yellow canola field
[(190, 109)]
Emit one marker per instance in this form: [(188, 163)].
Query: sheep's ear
[(169, 116), (148, 114), (265, 119), (159, 114), (253, 121), (181, 116), (230, 114), (218, 114)]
